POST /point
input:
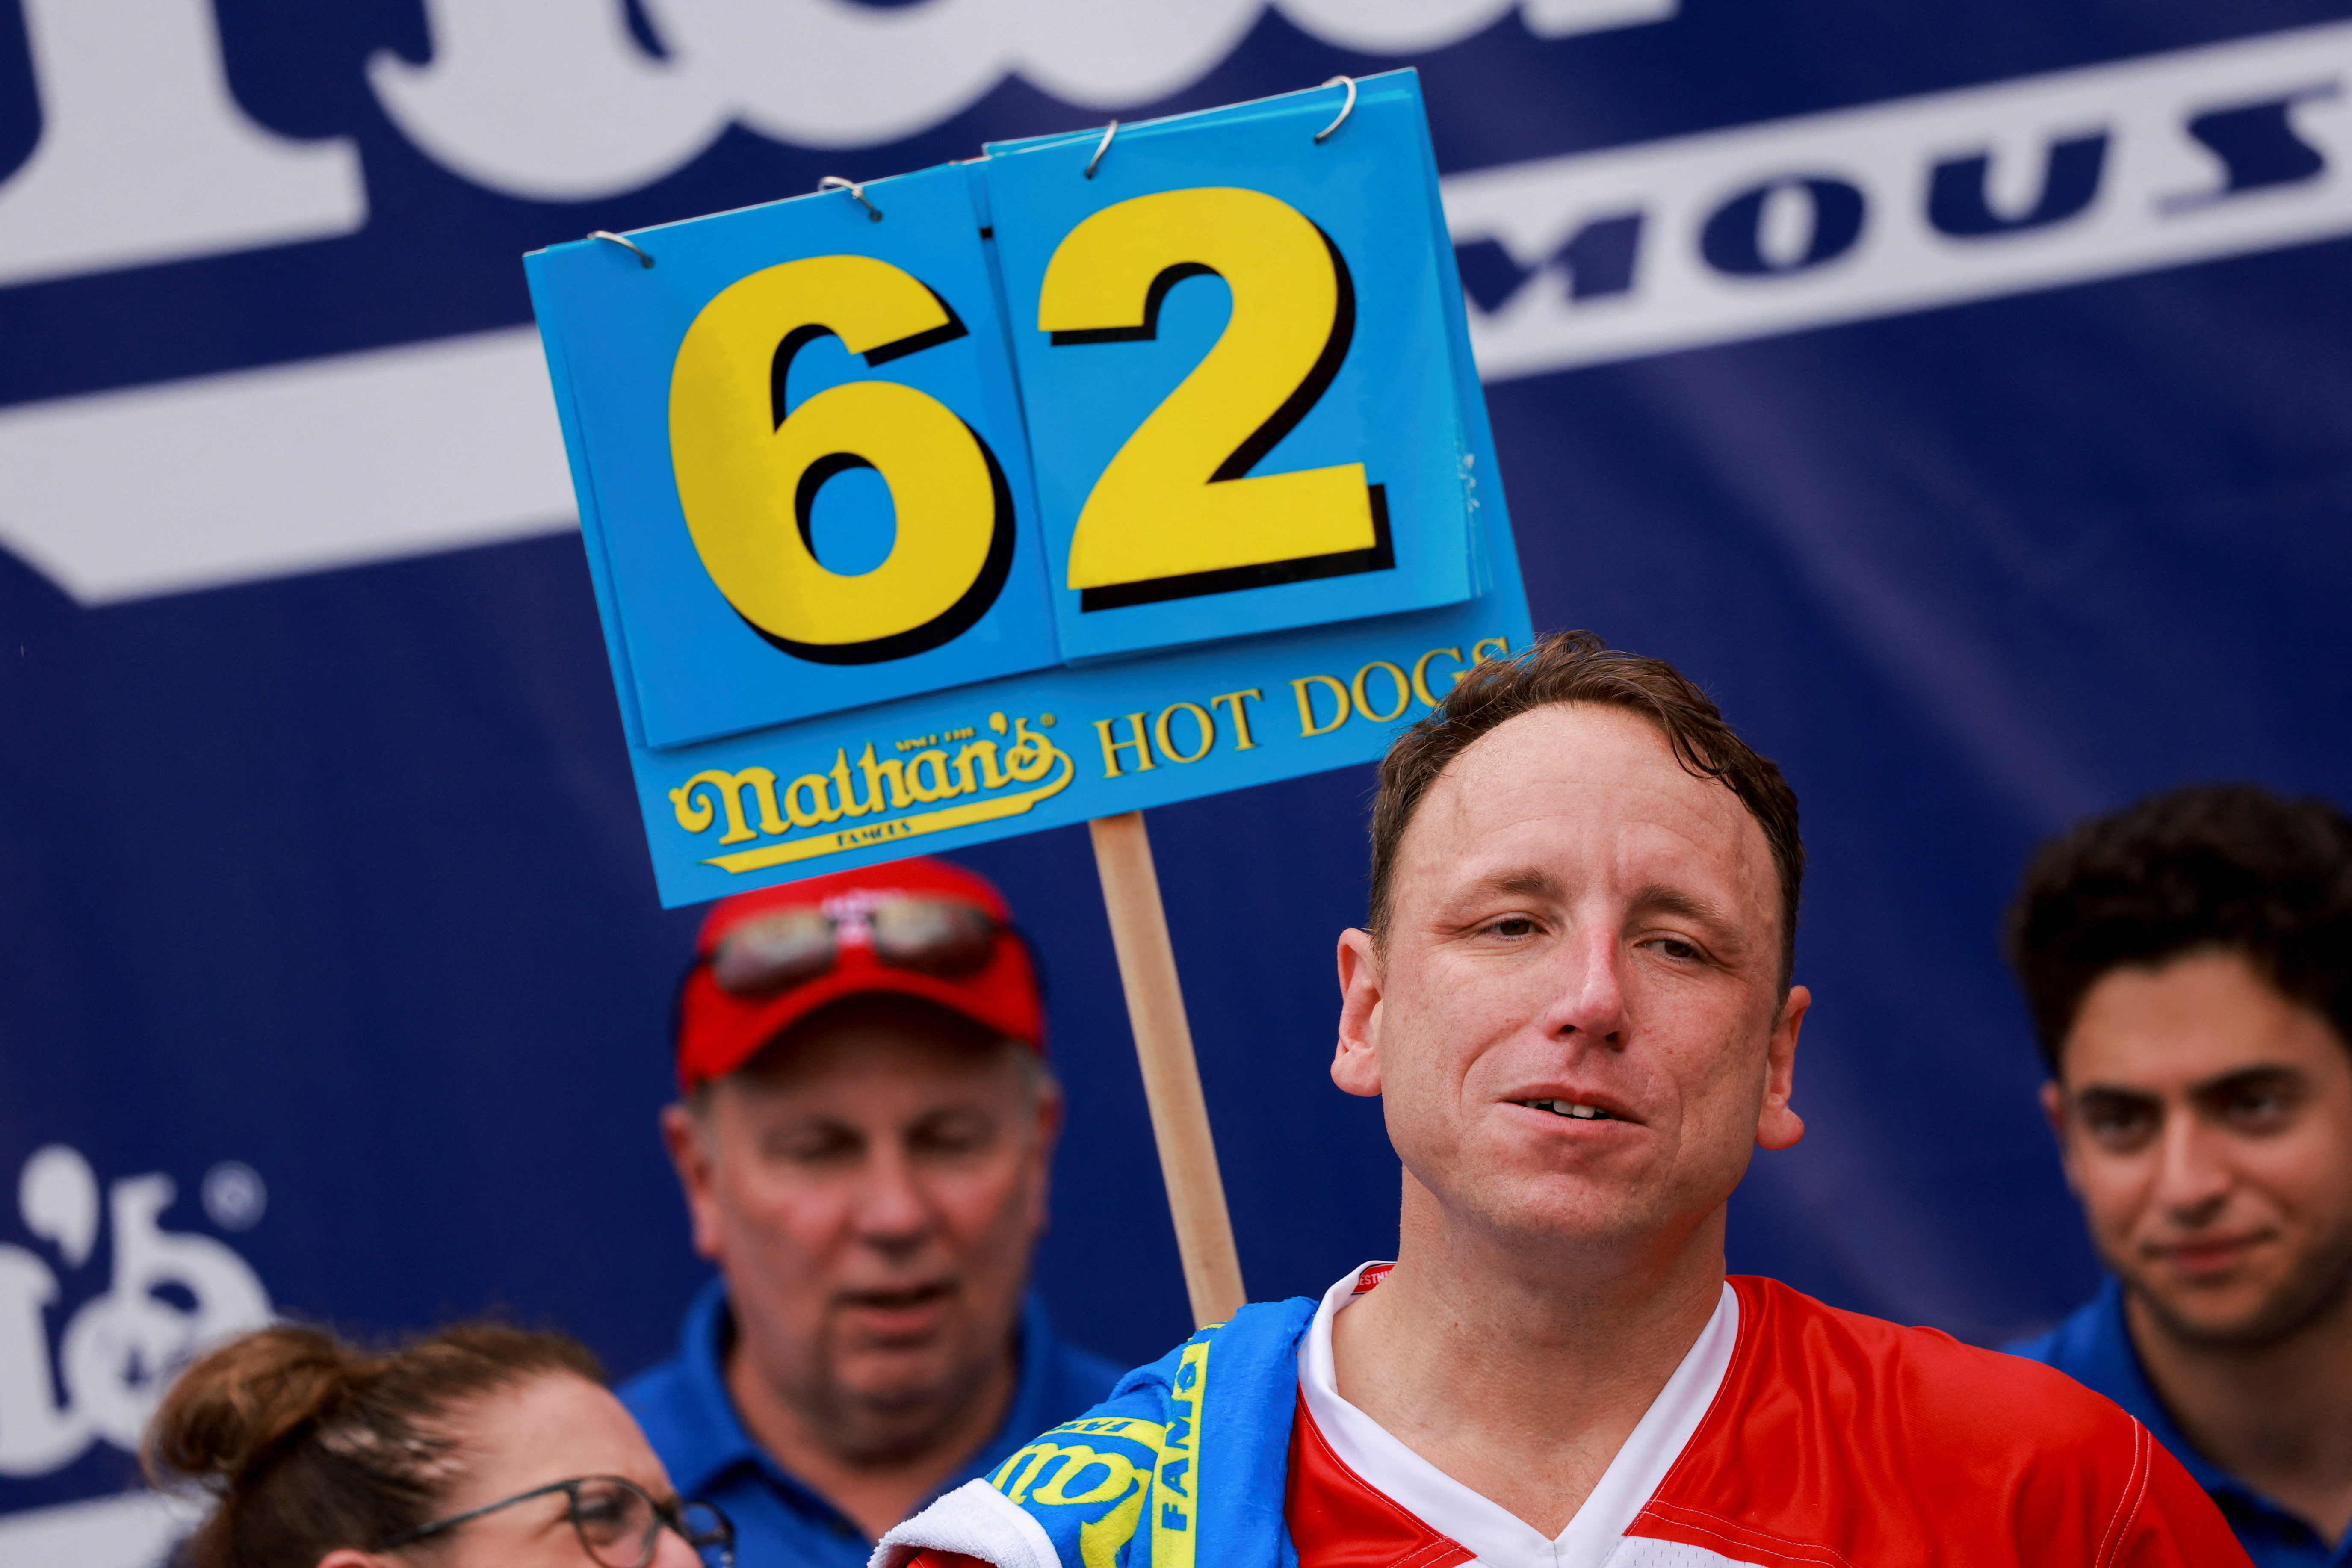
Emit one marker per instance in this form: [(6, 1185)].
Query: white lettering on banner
[(552, 101), (1905, 205), (1898, 206), (560, 103), (1562, 18), (132, 1532), (156, 490), (145, 156), (120, 1349)]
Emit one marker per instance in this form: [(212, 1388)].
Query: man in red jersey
[(1574, 998)]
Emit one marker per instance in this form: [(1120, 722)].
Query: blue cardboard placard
[(756, 764), (726, 547), (1236, 335)]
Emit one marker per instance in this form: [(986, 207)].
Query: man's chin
[(1551, 1211), (895, 1379), (2234, 1314), (883, 1406), (886, 1375)]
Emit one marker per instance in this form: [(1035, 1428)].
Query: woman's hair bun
[(309, 1443), (234, 1407)]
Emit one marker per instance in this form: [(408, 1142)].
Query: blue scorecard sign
[(1081, 478)]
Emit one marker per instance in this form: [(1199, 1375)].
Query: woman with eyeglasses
[(479, 1446)]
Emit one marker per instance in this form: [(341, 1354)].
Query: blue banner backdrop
[(1962, 396)]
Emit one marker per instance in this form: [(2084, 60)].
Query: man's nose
[(1588, 999), (892, 1211), (2192, 1173)]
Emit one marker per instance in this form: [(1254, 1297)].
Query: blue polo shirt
[(780, 1522), (2094, 1347)]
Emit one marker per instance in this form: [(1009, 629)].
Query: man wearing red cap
[(865, 1136)]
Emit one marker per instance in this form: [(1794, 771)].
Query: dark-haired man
[(1574, 998), (865, 1137), (2189, 962)]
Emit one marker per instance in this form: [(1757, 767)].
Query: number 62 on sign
[(1074, 427)]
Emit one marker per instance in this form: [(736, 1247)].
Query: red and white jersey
[(1791, 1434)]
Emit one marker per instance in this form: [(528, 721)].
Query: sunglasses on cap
[(773, 952)]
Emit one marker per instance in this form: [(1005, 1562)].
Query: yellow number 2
[(1176, 513), (749, 468)]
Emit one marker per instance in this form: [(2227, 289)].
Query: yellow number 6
[(1176, 513), (749, 468)]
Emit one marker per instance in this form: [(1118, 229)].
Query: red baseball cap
[(835, 953)]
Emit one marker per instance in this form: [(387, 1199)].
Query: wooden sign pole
[(1171, 1076)]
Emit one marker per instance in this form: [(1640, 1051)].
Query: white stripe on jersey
[(1501, 1539)]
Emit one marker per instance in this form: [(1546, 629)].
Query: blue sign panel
[(1234, 326), (1275, 534), (748, 396)]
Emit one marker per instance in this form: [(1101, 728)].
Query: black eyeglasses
[(618, 1523)]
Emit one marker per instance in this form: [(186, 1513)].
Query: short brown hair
[(1578, 667), (308, 1444), (2212, 868)]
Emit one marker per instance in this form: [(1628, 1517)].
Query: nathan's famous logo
[(1009, 770), (1116, 1474), (172, 1294)]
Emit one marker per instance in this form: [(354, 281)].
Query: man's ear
[(1356, 1065), (1050, 1114), (1777, 1125), (686, 1134)]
